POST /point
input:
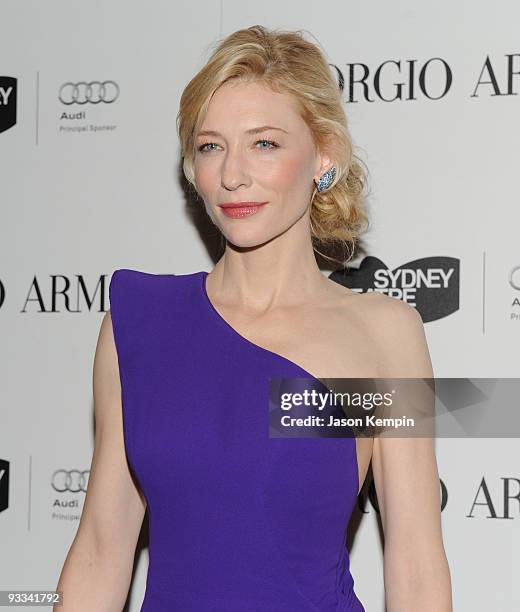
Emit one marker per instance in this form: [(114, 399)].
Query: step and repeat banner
[(91, 182)]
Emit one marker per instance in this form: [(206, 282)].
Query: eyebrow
[(255, 130)]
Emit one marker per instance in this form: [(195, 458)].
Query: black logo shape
[(8, 89), (430, 283), (4, 485)]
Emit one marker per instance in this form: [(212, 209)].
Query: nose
[(234, 173)]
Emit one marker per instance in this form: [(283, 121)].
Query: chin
[(248, 237)]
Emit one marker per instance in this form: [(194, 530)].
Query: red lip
[(239, 210), (240, 204)]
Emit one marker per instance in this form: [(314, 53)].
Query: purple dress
[(238, 521)]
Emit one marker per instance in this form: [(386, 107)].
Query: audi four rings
[(72, 481), (93, 92)]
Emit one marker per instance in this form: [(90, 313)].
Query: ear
[(324, 163)]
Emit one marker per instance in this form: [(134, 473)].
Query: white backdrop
[(90, 188)]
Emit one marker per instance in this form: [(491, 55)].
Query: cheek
[(288, 177), (203, 177), (281, 175)]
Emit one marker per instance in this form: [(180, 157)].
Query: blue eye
[(203, 150), (270, 142)]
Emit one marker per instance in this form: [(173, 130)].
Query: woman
[(239, 520)]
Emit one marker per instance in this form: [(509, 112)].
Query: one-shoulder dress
[(239, 521)]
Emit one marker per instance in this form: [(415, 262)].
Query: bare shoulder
[(400, 331), (378, 307), (390, 311), (396, 331)]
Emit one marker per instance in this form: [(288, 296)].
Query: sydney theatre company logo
[(8, 89), (430, 284), (4, 485), (2, 293)]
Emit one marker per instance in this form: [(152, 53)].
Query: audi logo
[(93, 92), (72, 481), (515, 282)]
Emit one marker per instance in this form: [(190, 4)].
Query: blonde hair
[(287, 63)]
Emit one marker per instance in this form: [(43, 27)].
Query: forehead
[(240, 105)]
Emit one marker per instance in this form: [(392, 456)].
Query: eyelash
[(273, 144)]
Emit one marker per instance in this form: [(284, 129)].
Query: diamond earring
[(326, 179)]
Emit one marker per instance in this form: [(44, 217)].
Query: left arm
[(416, 571)]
